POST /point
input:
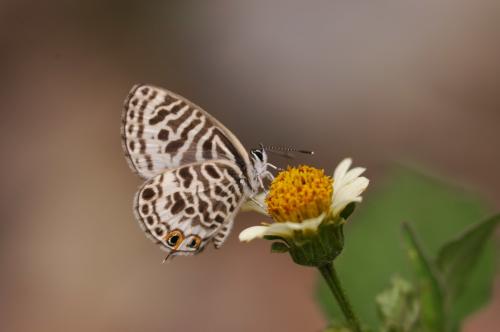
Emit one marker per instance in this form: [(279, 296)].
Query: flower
[(299, 194), (301, 199)]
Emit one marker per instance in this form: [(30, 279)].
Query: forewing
[(162, 130), (183, 209)]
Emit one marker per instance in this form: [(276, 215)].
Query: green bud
[(313, 248)]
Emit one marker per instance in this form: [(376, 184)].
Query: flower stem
[(328, 272)]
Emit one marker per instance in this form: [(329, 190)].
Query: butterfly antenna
[(285, 149)]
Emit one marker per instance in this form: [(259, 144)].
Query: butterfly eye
[(194, 243), (258, 154), (174, 238)]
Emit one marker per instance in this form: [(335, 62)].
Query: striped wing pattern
[(184, 208), (162, 130)]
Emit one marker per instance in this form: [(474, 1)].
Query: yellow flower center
[(299, 193)]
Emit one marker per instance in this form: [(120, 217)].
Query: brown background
[(380, 81)]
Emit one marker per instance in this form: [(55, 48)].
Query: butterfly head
[(259, 159)]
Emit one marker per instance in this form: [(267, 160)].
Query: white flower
[(348, 185)]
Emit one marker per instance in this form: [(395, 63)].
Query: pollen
[(299, 193)]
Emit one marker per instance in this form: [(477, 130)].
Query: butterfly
[(198, 174)]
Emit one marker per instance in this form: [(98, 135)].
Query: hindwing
[(162, 130), (184, 208)]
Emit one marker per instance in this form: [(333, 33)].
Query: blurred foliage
[(430, 288), (457, 260), (447, 275), (337, 329), (375, 253), (398, 306)]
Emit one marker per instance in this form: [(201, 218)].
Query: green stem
[(328, 272)]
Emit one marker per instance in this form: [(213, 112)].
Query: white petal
[(258, 232), (353, 189), (353, 174), (341, 169), (252, 233), (283, 229), (348, 185), (349, 194), (340, 205)]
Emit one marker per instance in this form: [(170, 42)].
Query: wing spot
[(218, 190), (176, 108), (219, 219), (153, 95), (210, 169), (207, 148), (159, 231), (150, 221), (206, 219), (145, 209), (134, 101), (185, 174), (142, 143), (148, 193), (202, 206), (174, 146), (158, 117), (196, 221), (145, 91), (149, 162), (163, 135), (189, 128), (159, 188), (179, 204), (131, 145)]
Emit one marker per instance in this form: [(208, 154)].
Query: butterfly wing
[(184, 208), (162, 130)]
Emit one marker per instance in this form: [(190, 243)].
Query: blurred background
[(382, 81)]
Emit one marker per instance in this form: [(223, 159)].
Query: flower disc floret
[(299, 193)]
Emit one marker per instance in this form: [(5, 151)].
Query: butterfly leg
[(275, 167), (256, 202), (262, 182), (269, 175), (264, 175)]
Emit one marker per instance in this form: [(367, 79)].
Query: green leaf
[(273, 237), (429, 285), (348, 210), (279, 247), (398, 307), (457, 260), (338, 329), (373, 251)]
